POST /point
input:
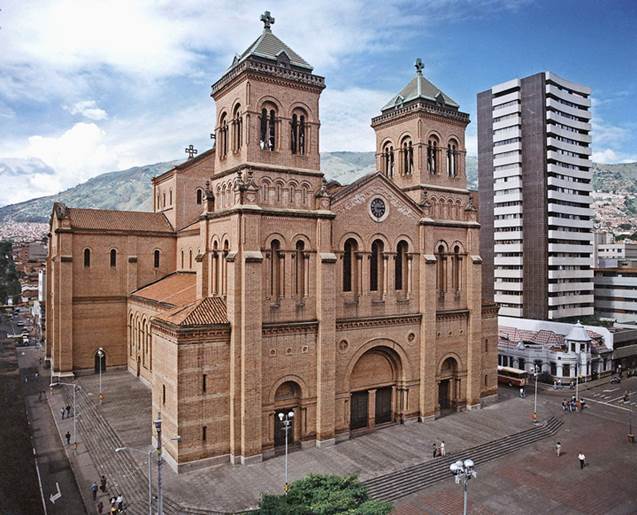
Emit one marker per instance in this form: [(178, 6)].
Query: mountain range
[(131, 190)]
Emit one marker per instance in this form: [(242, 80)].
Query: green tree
[(324, 495)]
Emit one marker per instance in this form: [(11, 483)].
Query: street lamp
[(463, 471), (286, 419), (100, 355), (535, 374), (75, 387), (150, 484), (160, 495)]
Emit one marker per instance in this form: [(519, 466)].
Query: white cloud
[(88, 109), (608, 156)]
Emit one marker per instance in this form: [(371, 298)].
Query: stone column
[(360, 286), (428, 306), (385, 286), (371, 408), (474, 330)]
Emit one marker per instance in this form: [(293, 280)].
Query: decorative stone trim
[(391, 320), (430, 259), (251, 256), (476, 260), (275, 328), (452, 314), (328, 257)]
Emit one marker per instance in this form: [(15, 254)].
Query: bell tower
[(268, 107), (420, 138)]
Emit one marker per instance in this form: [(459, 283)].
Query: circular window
[(378, 209)]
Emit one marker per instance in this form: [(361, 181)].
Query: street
[(41, 470)]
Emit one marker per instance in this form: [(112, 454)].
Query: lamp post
[(160, 499), (286, 419), (535, 374), (100, 355), (150, 483), (75, 387), (463, 471)]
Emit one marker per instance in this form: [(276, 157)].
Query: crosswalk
[(614, 396)]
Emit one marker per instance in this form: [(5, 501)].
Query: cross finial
[(267, 20), (191, 151), (419, 66)]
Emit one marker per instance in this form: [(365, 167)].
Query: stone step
[(416, 477)]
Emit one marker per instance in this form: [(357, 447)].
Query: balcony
[(570, 222), (569, 172), (508, 299), (555, 314), (567, 247), (507, 247), (570, 197), (506, 311), (508, 260), (573, 111), (577, 136), (571, 261), (515, 171), (507, 160), (569, 97), (569, 147), (578, 286), (509, 274), (507, 210), (571, 274), (507, 197), (508, 235), (575, 161), (509, 222), (562, 183), (510, 122), (496, 101), (569, 210), (569, 122)]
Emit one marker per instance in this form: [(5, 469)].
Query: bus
[(512, 376)]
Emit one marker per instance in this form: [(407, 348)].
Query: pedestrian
[(559, 384), (434, 449), (62, 411), (554, 384), (442, 448), (68, 411), (564, 406), (93, 489), (558, 449), (68, 438), (522, 393), (103, 483), (120, 502), (582, 460), (100, 507)]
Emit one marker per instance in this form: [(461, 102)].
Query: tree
[(324, 495)]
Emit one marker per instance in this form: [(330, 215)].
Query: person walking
[(68, 438), (103, 483), (434, 449), (62, 411), (120, 502), (582, 460), (442, 448), (100, 507), (559, 384), (93, 489), (558, 449), (68, 411)]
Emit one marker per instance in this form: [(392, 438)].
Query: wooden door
[(359, 410), (383, 405), (443, 394)]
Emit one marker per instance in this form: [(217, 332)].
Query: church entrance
[(448, 387), (287, 399), (359, 411), (443, 395), (373, 383)]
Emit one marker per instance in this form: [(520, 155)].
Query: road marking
[(607, 404), (37, 469), (611, 390), (54, 497)]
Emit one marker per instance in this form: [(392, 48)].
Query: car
[(615, 380)]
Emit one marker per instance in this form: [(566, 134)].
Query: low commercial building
[(616, 294)]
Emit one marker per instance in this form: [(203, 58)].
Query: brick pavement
[(224, 488)]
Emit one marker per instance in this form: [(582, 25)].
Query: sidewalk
[(124, 419)]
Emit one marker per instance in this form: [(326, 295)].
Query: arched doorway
[(100, 361), (448, 386), (373, 385), (286, 399)]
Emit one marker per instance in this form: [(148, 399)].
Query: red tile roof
[(175, 290), (107, 219), (206, 311)]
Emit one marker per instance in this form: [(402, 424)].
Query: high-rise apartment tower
[(535, 178)]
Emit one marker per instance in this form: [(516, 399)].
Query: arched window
[(113, 258), (275, 269), (376, 268), (87, 258), (223, 136), (452, 153), (215, 268), (224, 267), (456, 276), (297, 133), (164, 199), (190, 259), (158, 203), (388, 159), (182, 259), (156, 258), (199, 196), (267, 138), (408, 157), (349, 264), (400, 270), (299, 276), (237, 122), (432, 156), (171, 197), (441, 264)]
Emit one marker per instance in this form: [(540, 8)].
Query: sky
[(92, 86)]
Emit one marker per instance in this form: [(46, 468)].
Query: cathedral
[(257, 287)]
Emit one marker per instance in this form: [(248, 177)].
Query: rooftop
[(175, 290), (206, 311), (111, 220)]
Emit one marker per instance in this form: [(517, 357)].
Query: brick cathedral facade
[(256, 287)]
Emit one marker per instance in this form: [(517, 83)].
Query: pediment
[(360, 193)]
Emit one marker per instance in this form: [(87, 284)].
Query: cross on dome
[(267, 20), (419, 66), (191, 151)]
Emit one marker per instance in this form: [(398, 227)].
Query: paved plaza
[(530, 480)]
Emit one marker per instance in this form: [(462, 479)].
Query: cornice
[(452, 314), (418, 108), (252, 166), (305, 327), (383, 321)]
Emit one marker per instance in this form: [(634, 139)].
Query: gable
[(358, 195)]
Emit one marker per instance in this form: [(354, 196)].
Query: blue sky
[(93, 86)]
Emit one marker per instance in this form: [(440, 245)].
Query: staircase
[(400, 483), (123, 474)]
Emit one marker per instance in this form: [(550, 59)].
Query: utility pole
[(160, 500)]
